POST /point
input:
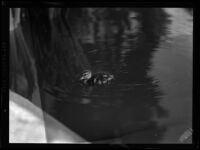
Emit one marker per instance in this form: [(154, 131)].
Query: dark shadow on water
[(118, 40)]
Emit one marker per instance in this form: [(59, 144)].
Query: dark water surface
[(149, 51)]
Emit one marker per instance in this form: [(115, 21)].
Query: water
[(149, 51)]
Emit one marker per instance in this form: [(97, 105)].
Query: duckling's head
[(86, 75)]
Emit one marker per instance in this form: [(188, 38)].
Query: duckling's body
[(98, 78)]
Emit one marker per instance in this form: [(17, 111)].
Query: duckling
[(87, 74), (98, 78)]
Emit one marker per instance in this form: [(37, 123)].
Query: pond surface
[(149, 51)]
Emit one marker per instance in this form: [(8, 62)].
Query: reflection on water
[(146, 51), (173, 67)]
